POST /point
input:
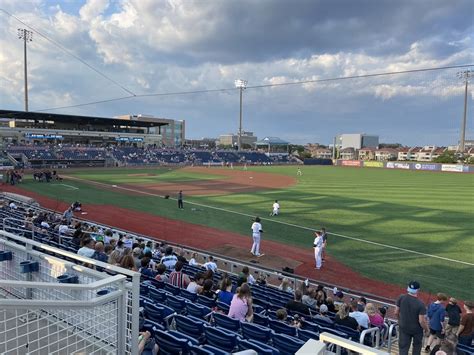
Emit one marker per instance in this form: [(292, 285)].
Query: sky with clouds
[(158, 46)]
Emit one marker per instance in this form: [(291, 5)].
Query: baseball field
[(390, 226)]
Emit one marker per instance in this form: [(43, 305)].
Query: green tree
[(448, 157)]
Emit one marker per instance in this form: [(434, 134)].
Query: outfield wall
[(454, 168)]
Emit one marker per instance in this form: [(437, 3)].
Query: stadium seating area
[(132, 156), (178, 318)]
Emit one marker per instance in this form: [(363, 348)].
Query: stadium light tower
[(26, 36), (240, 84), (465, 75)]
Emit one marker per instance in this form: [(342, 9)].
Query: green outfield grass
[(422, 211)]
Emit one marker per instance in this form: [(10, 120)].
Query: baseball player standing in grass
[(256, 232), (276, 209), (318, 249)]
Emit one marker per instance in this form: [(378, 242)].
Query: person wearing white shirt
[(211, 265), (192, 261), (88, 249), (318, 249), (63, 229), (276, 208), (12, 205), (256, 233), (362, 318)]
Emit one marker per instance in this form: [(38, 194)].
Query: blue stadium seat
[(191, 327), (305, 335), (334, 331), (179, 335), (221, 339), (172, 289), (311, 327), (198, 350), (157, 295), (260, 319), (351, 333), (188, 295), (197, 310), (170, 344), (256, 332), (260, 348), (214, 350), (226, 322), (280, 327), (322, 322), (158, 313), (178, 304), (206, 301), (287, 344), (224, 307)]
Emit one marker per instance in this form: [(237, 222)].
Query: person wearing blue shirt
[(436, 313), (225, 294)]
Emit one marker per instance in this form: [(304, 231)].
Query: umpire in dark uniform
[(180, 199)]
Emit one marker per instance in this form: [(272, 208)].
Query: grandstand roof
[(45, 116), (272, 141)]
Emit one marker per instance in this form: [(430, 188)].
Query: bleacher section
[(42, 156), (197, 324)]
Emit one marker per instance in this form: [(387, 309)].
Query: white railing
[(337, 342), (38, 312)]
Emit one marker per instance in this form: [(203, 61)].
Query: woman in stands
[(241, 304), (285, 285), (115, 257), (375, 318), (207, 289), (225, 292), (128, 263), (343, 318)]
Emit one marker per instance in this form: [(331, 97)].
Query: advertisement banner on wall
[(350, 163), (392, 165), (432, 167), (452, 167), (373, 164)]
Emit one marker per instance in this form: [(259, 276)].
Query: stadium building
[(356, 141), (138, 130)]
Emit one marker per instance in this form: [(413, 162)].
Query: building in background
[(172, 132), (248, 139), (356, 141), (273, 146), (203, 143)]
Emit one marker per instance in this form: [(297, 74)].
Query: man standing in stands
[(256, 232), (411, 319), (180, 200)]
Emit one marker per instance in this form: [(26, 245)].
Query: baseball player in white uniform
[(256, 232), (318, 249), (276, 209)]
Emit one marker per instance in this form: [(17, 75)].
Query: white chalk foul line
[(70, 186), (284, 223)]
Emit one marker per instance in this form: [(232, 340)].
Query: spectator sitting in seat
[(147, 248), (211, 264), (99, 254), (115, 257), (361, 303), (195, 285), (375, 318), (343, 318), (137, 254), (241, 304), (157, 251), (88, 248), (160, 273), (361, 317), (310, 298), (177, 277), (339, 301), (282, 316), (169, 260), (296, 305), (145, 267), (225, 292), (245, 277), (285, 285), (193, 260), (261, 279), (323, 314), (128, 263), (330, 304), (181, 257), (206, 289)]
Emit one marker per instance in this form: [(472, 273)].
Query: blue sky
[(154, 46)]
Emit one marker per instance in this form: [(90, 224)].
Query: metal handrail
[(392, 338), (371, 331)]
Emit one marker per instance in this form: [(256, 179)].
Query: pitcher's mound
[(267, 260)]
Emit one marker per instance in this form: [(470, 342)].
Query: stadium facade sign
[(373, 164), (392, 165), (351, 163), (452, 168)]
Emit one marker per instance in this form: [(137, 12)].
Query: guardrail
[(100, 311), (342, 343)]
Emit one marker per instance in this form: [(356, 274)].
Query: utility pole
[(26, 36), (464, 75), (240, 84)]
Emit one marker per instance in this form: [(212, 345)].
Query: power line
[(204, 91), (60, 46)]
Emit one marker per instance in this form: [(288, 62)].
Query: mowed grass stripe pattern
[(426, 212)]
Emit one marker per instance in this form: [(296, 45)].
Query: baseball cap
[(339, 294), (413, 287), (323, 308)]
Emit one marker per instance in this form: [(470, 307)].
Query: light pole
[(464, 75), (240, 84), (26, 36)]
